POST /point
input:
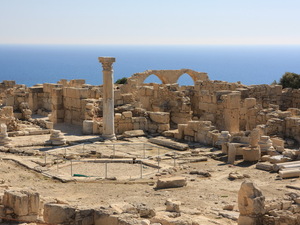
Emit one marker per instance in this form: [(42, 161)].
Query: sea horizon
[(48, 63)]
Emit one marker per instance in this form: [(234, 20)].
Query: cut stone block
[(171, 182)]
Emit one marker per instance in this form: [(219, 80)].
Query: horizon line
[(88, 44)]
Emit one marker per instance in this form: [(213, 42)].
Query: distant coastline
[(257, 64)]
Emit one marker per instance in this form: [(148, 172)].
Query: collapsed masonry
[(201, 113)]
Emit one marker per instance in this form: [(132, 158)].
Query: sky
[(150, 22)]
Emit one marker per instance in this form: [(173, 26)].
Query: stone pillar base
[(251, 154), (109, 137)]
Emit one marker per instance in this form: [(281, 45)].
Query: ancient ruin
[(166, 136)]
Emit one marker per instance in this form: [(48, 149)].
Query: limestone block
[(10, 101), (171, 182), (105, 217), (232, 149), (77, 83), (152, 128), (123, 207), (127, 114), (265, 144), (58, 214), (76, 103), (49, 87), (250, 200), (251, 154), (180, 134), (145, 211), (134, 133), (149, 90), (96, 127), (122, 127), (254, 137), (250, 103), (169, 143), (117, 95), (163, 127), (17, 201), (56, 101), (172, 206), (189, 132), (83, 93), (145, 222), (194, 125), (204, 106), (87, 127), (248, 220), (119, 102), (278, 144), (22, 202), (57, 92), (89, 106), (181, 118), (127, 98), (118, 116), (160, 117), (84, 217)]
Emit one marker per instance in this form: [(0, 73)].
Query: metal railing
[(138, 157)]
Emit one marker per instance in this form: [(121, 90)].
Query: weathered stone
[(59, 214), (160, 117), (169, 143), (23, 203), (171, 182), (134, 133), (251, 204), (173, 206), (87, 127)]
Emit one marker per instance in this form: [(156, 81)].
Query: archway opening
[(185, 80), (152, 79)]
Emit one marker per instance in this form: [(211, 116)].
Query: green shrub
[(122, 81), (290, 80)]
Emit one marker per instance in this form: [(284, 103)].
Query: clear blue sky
[(149, 22)]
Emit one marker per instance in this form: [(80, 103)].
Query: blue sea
[(32, 64)]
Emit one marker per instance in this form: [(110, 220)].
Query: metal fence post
[(45, 158), (174, 158), (144, 151), (106, 170), (114, 150), (71, 169), (141, 165)]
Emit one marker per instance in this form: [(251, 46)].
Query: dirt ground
[(203, 196)]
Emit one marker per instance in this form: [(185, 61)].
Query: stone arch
[(189, 78), (167, 76), (151, 75)]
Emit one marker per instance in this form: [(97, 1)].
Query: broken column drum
[(4, 139), (108, 98), (223, 140)]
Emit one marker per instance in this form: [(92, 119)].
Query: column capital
[(107, 62)]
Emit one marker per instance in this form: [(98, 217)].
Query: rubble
[(57, 138), (171, 182)]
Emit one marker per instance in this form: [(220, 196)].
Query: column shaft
[(108, 98)]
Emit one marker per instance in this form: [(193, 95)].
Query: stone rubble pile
[(57, 138)]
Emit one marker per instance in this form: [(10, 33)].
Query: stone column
[(108, 98)]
